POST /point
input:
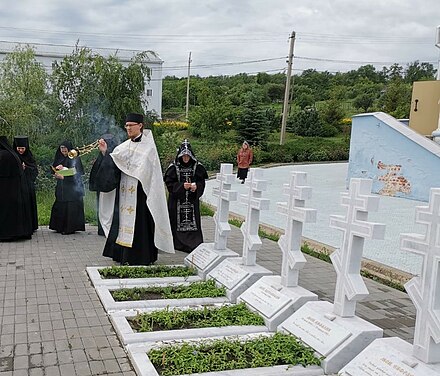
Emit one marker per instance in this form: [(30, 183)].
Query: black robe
[(15, 209), (183, 205), (105, 177), (30, 175), (67, 215)]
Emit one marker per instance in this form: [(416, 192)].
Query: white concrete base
[(389, 357), (274, 302), (236, 277), (338, 339), (111, 305), (205, 258), (98, 281), (128, 335), (143, 366)]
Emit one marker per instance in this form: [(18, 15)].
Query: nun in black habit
[(15, 217), (185, 180), (30, 171), (67, 214)]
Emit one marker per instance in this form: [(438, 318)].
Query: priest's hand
[(102, 146), (58, 176), (187, 186), (59, 167), (193, 187)]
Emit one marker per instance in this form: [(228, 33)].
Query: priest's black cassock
[(15, 213), (134, 163)]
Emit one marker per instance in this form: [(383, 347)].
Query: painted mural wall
[(401, 162)]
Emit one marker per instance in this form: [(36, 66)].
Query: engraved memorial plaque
[(316, 330), (228, 274), (384, 361), (265, 299), (202, 257)]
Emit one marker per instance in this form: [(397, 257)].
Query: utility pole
[(187, 87), (287, 92)]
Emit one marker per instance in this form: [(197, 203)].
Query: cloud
[(229, 31)]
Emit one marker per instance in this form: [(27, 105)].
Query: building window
[(149, 92)]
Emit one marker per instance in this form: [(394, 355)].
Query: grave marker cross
[(424, 290), (255, 203), (224, 197), (290, 243), (347, 260)]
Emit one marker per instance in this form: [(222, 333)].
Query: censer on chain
[(74, 153)]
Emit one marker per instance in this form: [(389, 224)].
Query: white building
[(46, 54)]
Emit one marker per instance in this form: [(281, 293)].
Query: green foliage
[(26, 107), (227, 315), (226, 354), (304, 149), (95, 93), (203, 289), (307, 123), (396, 100), (122, 271), (206, 210), (253, 123)]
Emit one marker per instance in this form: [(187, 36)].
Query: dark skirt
[(67, 216), (242, 173)]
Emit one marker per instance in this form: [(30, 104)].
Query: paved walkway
[(52, 322)]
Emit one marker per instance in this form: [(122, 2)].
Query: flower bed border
[(98, 281)]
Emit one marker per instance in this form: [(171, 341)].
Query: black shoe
[(242, 182)]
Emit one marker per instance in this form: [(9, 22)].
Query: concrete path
[(52, 322)]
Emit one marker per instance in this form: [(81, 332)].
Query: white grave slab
[(208, 255), (346, 260), (274, 297), (110, 305), (274, 302), (120, 320), (236, 277), (143, 366), (389, 357), (337, 338), (334, 330), (238, 274), (393, 356), (98, 281), (424, 290)]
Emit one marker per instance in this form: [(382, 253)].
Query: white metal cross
[(347, 260), (224, 196), (424, 290), (290, 243), (255, 203)]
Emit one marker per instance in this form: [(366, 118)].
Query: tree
[(212, 118), (396, 99), (306, 122), (275, 92), (95, 93), (253, 123), (26, 105), (419, 72)]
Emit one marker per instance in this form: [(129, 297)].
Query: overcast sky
[(236, 36)]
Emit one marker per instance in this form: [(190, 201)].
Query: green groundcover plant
[(172, 319), (203, 289), (122, 271), (220, 355)]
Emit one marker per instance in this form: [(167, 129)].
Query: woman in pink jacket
[(244, 160)]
